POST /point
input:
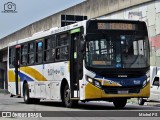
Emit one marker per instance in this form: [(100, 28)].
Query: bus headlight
[(147, 80), (97, 83), (94, 82), (90, 80), (144, 83), (148, 76)]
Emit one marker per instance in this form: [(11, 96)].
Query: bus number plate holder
[(123, 92)]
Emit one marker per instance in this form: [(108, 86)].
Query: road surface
[(88, 110)]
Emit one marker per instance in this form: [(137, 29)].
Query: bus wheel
[(119, 103), (66, 98), (11, 95), (27, 99), (141, 101)]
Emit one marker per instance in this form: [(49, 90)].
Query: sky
[(29, 11)]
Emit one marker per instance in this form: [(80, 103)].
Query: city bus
[(90, 60)]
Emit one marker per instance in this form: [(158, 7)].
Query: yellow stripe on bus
[(11, 76), (33, 73)]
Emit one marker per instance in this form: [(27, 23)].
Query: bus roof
[(55, 30), (48, 32)]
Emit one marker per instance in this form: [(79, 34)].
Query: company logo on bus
[(122, 76)]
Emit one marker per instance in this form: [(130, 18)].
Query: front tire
[(27, 99), (119, 103), (66, 98), (141, 101)]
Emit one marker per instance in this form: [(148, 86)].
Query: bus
[(90, 60)]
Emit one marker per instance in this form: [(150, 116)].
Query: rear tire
[(141, 101), (11, 95), (120, 103), (27, 99), (67, 102)]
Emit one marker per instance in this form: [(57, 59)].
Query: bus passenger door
[(75, 64), (16, 62)]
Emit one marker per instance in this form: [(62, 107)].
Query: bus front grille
[(121, 90)]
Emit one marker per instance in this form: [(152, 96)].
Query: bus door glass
[(17, 62)]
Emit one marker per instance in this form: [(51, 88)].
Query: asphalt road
[(88, 110)]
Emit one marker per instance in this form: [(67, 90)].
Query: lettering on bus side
[(52, 72)]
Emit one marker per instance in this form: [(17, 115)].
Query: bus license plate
[(123, 92)]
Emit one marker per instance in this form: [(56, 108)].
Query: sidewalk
[(132, 101), (156, 104), (4, 91)]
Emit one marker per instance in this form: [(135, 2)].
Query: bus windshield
[(117, 50)]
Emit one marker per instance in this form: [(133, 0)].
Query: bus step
[(18, 96)]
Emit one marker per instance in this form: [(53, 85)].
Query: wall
[(3, 76)]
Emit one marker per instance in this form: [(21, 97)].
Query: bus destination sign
[(116, 26)]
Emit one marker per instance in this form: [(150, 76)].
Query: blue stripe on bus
[(125, 81), (24, 77)]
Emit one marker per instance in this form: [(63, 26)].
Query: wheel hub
[(67, 97)]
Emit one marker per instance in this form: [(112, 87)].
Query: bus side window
[(39, 51), (49, 49), (62, 51), (57, 53), (62, 39), (24, 52), (11, 57), (31, 53)]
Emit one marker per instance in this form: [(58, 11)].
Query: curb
[(4, 91)]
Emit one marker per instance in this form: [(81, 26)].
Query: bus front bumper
[(93, 92)]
